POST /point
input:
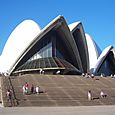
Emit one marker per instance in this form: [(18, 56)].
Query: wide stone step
[(62, 90)]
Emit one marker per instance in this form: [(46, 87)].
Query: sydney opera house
[(57, 48)]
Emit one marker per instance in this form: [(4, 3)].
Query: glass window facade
[(46, 51)]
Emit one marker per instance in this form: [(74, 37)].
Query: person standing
[(89, 95), (32, 89), (37, 89), (9, 97), (26, 88)]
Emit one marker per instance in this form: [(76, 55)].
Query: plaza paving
[(76, 110)]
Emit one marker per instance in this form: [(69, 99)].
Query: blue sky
[(97, 16)]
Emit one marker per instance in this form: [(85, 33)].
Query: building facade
[(58, 48)]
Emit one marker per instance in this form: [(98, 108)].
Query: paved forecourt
[(76, 110)]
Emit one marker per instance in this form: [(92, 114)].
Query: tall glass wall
[(46, 51)]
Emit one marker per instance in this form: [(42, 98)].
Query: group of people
[(88, 75), (112, 76), (102, 95), (27, 89)]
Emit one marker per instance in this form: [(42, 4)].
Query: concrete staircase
[(62, 90)]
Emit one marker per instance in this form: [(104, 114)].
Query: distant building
[(56, 47)]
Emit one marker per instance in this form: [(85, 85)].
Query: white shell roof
[(93, 51), (57, 22), (17, 43), (73, 25), (102, 57)]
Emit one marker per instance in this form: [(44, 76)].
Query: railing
[(8, 85), (1, 99)]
